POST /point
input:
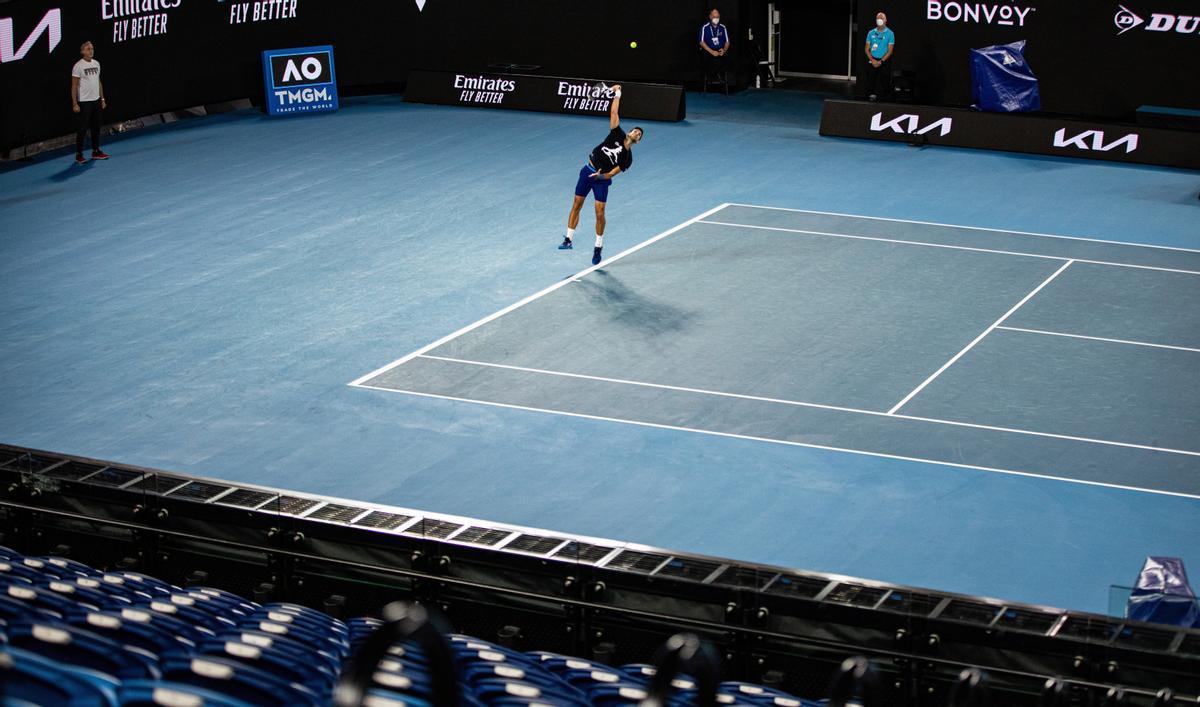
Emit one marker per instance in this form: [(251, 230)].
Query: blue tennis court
[(1010, 352), (199, 303)]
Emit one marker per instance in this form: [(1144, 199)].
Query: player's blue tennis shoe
[(596, 256), (566, 244)]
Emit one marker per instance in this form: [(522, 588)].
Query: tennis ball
[(633, 45)]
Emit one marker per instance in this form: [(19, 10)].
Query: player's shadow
[(631, 309)]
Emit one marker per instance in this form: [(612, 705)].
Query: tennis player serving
[(609, 158)]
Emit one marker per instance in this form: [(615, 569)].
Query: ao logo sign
[(310, 67), (1093, 140), (50, 24), (908, 123), (1127, 19), (300, 80)]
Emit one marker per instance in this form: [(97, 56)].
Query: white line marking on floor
[(785, 442), (1099, 338), (819, 406), (972, 228), (534, 296), (979, 338)]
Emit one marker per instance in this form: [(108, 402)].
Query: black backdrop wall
[(200, 51), (1100, 58)]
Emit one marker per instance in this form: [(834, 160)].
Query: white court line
[(732, 435), (947, 245), (973, 228), (979, 338), (1099, 338), (534, 296), (797, 403)]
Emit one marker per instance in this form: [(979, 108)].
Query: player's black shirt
[(612, 152)]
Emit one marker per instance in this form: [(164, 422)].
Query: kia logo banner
[(931, 125)]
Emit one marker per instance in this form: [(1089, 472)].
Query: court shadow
[(32, 196), (633, 310), (71, 172)]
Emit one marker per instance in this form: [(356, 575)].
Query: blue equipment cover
[(1162, 594), (1001, 80)]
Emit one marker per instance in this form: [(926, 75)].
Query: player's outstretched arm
[(614, 117)]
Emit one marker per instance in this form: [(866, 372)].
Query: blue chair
[(226, 598), (312, 674), (8, 552), (238, 680), (134, 585), (187, 634), (12, 610), (113, 586), (75, 646), (319, 640), (38, 598), (63, 568), (303, 617), (639, 672), (85, 596), (12, 570), (156, 693), (617, 695), (152, 637), (758, 694), (490, 690), (474, 672), (188, 613), (284, 645), (30, 679)]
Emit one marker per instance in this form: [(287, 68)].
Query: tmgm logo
[(50, 24), (1127, 19), (908, 124), (300, 80), (1093, 140)]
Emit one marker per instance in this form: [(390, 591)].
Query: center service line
[(979, 338)]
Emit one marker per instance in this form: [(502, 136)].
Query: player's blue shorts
[(596, 185)]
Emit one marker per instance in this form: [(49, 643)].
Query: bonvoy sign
[(978, 13)]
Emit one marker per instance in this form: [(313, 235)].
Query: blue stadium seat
[(333, 644), (63, 568), (85, 596), (493, 691), (226, 598), (284, 645), (31, 679), (39, 598), (157, 693), (758, 694), (187, 613), (75, 646), (303, 670), (235, 679), (618, 695), (155, 638), (474, 672), (8, 552), (13, 569), (186, 633)]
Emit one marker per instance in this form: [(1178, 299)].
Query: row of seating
[(74, 635)]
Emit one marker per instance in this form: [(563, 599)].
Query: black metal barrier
[(551, 94), (591, 597), (1037, 134)]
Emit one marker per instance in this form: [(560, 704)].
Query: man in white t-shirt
[(87, 100)]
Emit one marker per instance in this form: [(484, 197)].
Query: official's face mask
[(716, 20), (878, 23)]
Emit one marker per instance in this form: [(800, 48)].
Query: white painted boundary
[(535, 296), (360, 382), (731, 435), (970, 228), (979, 338), (1099, 338)]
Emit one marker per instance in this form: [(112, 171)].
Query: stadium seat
[(75, 646), (31, 679), (235, 679), (157, 693)]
